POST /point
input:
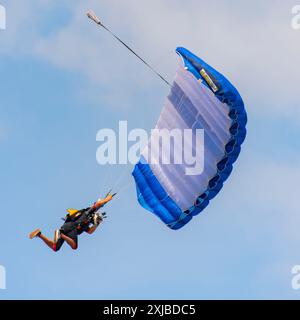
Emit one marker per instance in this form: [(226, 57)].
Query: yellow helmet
[(71, 212)]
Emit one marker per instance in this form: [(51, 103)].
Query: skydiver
[(76, 222)]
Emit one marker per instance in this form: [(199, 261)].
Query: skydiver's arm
[(95, 224), (92, 229), (101, 203)]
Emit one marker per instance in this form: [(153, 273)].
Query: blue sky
[(62, 80)]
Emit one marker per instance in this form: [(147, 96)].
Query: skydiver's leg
[(68, 233), (54, 245), (58, 244), (48, 242), (71, 238)]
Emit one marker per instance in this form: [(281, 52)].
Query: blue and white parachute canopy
[(200, 98)]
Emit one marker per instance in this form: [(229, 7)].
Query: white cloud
[(252, 43), (257, 49), (22, 20), (266, 198)]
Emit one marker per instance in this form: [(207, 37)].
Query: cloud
[(266, 201), (253, 44), (22, 21)]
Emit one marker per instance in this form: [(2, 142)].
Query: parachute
[(200, 98)]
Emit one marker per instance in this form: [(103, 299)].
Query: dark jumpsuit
[(73, 228)]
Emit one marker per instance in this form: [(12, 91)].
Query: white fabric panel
[(212, 115), (207, 104)]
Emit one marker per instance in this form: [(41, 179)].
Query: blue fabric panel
[(152, 196)]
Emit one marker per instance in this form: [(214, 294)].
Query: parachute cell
[(200, 98)]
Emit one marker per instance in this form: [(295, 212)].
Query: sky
[(62, 80)]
